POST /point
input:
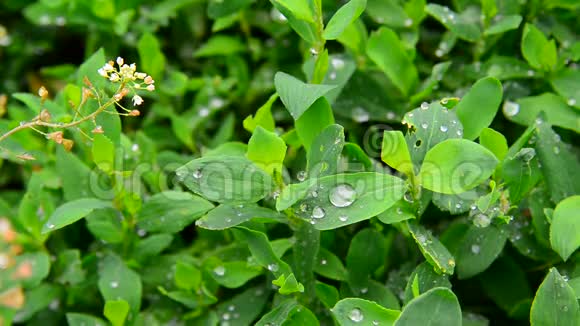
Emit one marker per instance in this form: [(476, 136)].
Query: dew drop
[(571, 101), (343, 218), (135, 147), (318, 212), (459, 133), (408, 22), (314, 194), (375, 323), (273, 267), (203, 112), (114, 284), (360, 115), (391, 115), (511, 108), (439, 53), (356, 315), (50, 226), (219, 271), (475, 249), (332, 75), (323, 262), (197, 174), (364, 290), (531, 73), (556, 150), (481, 220), (399, 210), (226, 316), (301, 176), (342, 195), (443, 128), (424, 125), (337, 63), (424, 106)]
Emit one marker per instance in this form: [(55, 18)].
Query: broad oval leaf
[(456, 23), (555, 303), (479, 248), (478, 107), (455, 166), (342, 199), (423, 279), (433, 250), (325, 153), (73, 211), (345, 16), (117, 281), (296, 95), (228, 215), (266, 150), (226, 179), (171, 211), (395, 152), (525, 110), (565, 228), (355, 311), (436, 307)]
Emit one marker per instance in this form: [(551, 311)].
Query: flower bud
[(134, 113), (44, 115), (148, 80), (98, 130), (67, 144), (43, 93), (56, 136)]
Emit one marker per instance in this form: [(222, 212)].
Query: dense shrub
[(289, 162)]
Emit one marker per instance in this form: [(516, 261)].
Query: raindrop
[(458, 205), (539, 121), (424, 106), (219, 271), (556, 150), (375, 323), (203, 112), (557, 138), (481, 220), (216, 103), (408, 197), (318, 212), (565, 308), (356, 315), (226, 316), (278, 16), (135, 147), (424, 125), (337, 63), (475, 249), (343, 218), (571, 101), (439, 53), (114, 284), (342, 195), (399, 210), (511, 108), (301, 176), (60, 21), (443, 128), (332, 76), (391, 115), (323, 262), (197, 174), (314, 194), (273, 267), (50, 226), (459, 133), (360, 115), (531, 73), (364, 290), (408, 22)]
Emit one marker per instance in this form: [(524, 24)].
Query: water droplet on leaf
[(342, 195)]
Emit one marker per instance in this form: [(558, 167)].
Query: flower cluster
[(129, 76)]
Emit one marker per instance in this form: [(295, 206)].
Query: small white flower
[(114, 77), (148, 80), (103, 73), (138, 86), (107, 67), (137, 100), (120, 61), (133, 67), (140, 75), (151, 88)]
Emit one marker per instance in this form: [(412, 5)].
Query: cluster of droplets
[(342, 195)]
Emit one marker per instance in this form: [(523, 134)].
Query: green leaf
[(388, 52), (388, 12), (495, 142), (436, 307), (262, 251), (267, 150), (560, 166), (279, 314), (537, 50), (504, 24), (555, 303), (478, 249), (152, 58), (263, 117), (325, 153), (342, 199), (118, 282), (343, 17), (37, 299), (105, 225), (187, 276), (525, 110), (74, 174), (478, 107), (73, 211), (116, 311), (305, 255), (152, 246), (235, 274), (423, 279), (313, 122), (296, 95), (68, 268), (299, 8), (355, 311), (429, 125), (455, 166), (220, 45), (566, 82), (89, 70), (243, 308), (226, 216), (171, 211), (77, 319), (432, 249), (459, 24), (288, 285), (330, 266), (327, 294), (217, 9), (565, 228), (104, 153), (231, 179), (40, 262), (395, 152)]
